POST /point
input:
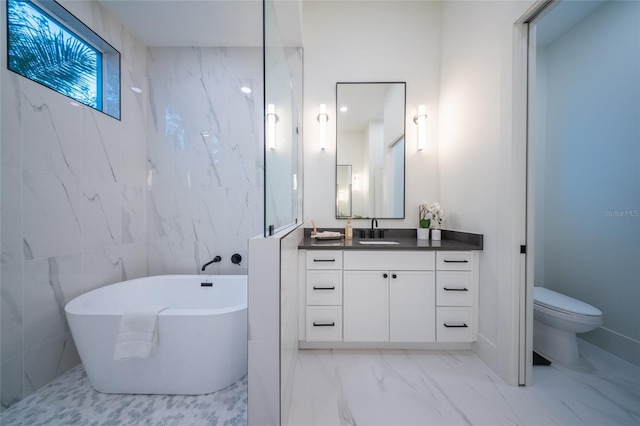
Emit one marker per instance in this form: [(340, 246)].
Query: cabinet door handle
[(455, 325), (324, 324), (455, 289), (394, 276), (324, 288), (456, 261), (324, 260), (385, 275)]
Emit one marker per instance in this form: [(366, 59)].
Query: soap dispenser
[(348, 230)]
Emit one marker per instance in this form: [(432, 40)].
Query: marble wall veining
[(88, 200), (73, 207), (205, 167)]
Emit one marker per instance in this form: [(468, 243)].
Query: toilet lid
[(560, 302)]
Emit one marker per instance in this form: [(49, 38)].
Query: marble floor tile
[(70, 400), (411, 387)]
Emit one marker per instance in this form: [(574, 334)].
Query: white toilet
[(557, 319)]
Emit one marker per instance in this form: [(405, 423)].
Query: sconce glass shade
[(421, 120), (271, 126), (322, 119)]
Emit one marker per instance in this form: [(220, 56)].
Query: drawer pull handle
[(324, 324), (394, 276), (323, 288), (455, 289), (456, 325), (324, 260), (385, 276), (456, 261)]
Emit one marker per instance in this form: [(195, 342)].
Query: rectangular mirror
[(370, 142)]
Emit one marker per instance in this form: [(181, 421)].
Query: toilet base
[(557, 344), (539, 359)]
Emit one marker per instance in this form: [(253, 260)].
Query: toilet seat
[(579, 322), (560, 303)]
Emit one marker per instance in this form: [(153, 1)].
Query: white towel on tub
[(138, 333)]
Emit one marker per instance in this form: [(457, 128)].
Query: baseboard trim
[(615, 343), (436, 346)]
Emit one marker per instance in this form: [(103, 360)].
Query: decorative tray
[(332, 236)]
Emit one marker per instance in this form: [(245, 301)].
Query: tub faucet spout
[(214, 260)]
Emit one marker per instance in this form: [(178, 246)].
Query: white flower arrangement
[(437, 215)]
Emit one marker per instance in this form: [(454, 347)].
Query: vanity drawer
[(324, 287), (454, 325), (454, 261), (324, 323), (324, 259), (375, 260), (454, 288)]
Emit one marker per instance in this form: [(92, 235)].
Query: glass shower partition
[(281, 142)]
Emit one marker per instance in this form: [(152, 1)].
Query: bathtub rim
[(75, 306)]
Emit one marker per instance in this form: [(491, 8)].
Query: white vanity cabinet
[(388, 296), (323, 316), (456, 296)]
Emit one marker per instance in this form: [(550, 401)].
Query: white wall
[(273, 325), (591, 216), (73, 206), (457, 59), (476, 159), (369, 41), (291, 268)]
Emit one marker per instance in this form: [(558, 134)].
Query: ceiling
[(364, 102), (233, 23)]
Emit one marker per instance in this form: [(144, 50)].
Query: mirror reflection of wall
[(344, 190), (370, 138)]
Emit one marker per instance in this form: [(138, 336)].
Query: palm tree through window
[(44, 50)]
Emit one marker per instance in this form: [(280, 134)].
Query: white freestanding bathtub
[(202, 335)]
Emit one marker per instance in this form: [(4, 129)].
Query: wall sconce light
[(322, 119), (272, 119), (356, 182), (421, 121)]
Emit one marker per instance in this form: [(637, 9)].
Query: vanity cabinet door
[(412, 303), (365, 304)]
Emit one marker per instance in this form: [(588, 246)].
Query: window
[(49, 45)]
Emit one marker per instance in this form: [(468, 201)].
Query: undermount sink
[(376, 242)]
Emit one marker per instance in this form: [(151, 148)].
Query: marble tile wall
[(87, 200), (205, 166), (73, 207)]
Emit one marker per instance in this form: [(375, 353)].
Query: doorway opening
[(583, 184)]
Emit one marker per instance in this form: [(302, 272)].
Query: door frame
[(522, 177)]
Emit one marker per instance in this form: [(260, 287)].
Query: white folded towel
[(138, 333)]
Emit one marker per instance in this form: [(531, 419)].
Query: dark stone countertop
[(406, 238)]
